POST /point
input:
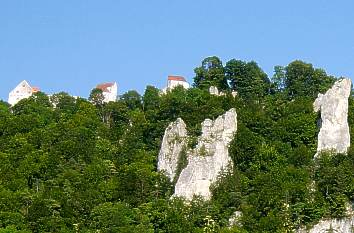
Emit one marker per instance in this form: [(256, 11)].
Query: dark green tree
[(302, 79), (210, 73), (151, 98), (132, 99), (117, 217), (279, 78), (247, 78), (96, 97), (64, 102)]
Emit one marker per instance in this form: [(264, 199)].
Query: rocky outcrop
[(209, 157), (214, 91), (345, 225), (334, 136), (173, 142), (333, 105)]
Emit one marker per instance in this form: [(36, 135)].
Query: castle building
[(21, 91), (110, 91), (174, 81)]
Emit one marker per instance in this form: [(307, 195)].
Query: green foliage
[(151, 99), (72, 165), (279, 78), (117, 217), (96, 97), (335, 181), (247, 78), (181, 164), (301, 79), (273, 157), (12, 230), (210, 73), (132, 99), (175, 215)]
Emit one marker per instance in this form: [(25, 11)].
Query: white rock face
[(174, 141), (209, 158), (334, 132), (333, 136), (234, 93), (215, 91), (333, 225)]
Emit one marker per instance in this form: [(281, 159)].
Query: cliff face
[(174, 141), (333, 105), (215, 91), (332, 225), (205, 162), (209, 157), (334, 136)]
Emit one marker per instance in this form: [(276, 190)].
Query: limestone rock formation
[(333, 136), (345, 225), (209, 157), (214, 91), (333, 105), (174, 141)]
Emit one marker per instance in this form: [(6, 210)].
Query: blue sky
[(73, 45)]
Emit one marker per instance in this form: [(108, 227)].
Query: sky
[(72, 45)]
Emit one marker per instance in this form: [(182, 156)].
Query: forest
[(81, 165)]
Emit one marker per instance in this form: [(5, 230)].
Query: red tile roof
[(104, 86), (35, 89), (176, 78)]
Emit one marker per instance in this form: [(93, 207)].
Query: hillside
[(77, 165)]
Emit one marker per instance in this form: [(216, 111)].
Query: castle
[(109, 90), (22, 91), (174, 81)]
